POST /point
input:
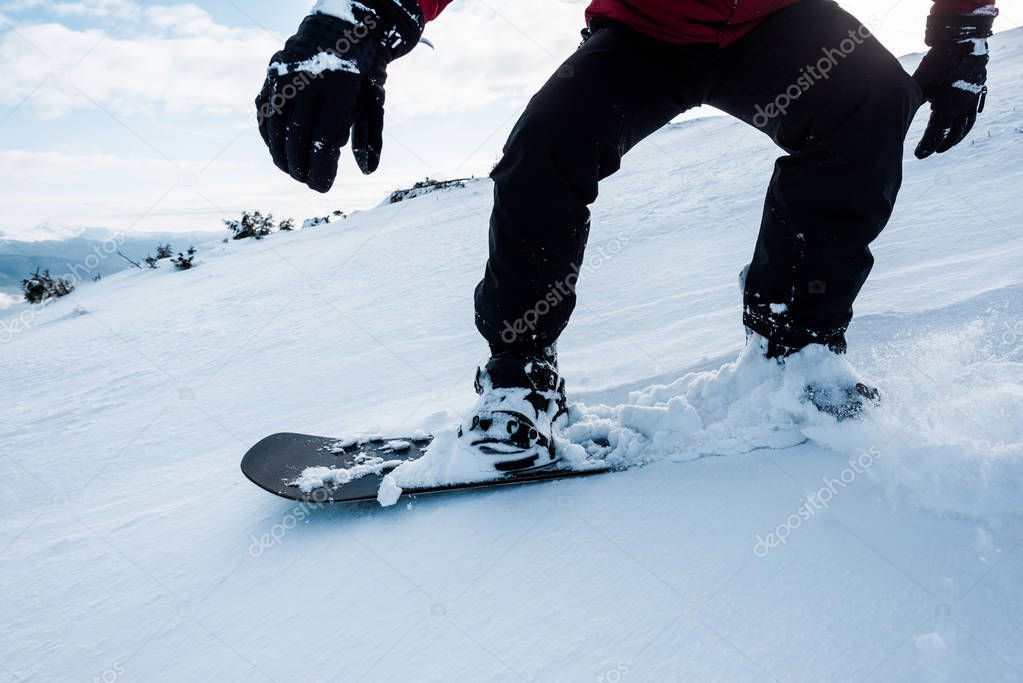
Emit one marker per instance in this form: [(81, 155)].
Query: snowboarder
[(805, 72)]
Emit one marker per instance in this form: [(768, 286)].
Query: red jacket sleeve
[(431, 8), (958, 6)]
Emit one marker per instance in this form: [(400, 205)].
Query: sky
[(137, 116)]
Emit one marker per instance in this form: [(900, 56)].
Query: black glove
[(327, 81), (953, 76)]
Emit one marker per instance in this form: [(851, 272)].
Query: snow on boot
[(512, 423), (832, 390)]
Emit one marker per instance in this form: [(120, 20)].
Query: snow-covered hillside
[(131, 547)]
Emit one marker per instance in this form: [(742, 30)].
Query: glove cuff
[(357, 45), (946, 29), (407, 24), (396, 24)]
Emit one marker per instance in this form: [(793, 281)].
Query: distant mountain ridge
[(90, 251)]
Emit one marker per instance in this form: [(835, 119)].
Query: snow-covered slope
[(131, 547)]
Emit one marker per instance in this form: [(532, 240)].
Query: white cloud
[(483, 56), (178, 59), (85, 8), (51, 168), (94, 8), (6, 301)]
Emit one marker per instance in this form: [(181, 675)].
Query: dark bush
[(426, 186), (184, 261), (322, 220), (163, 251), (252, 224), (41, 287)]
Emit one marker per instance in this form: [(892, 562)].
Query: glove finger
[(299, 133), (952, 138), (368, 135), (959, 131), (263, 111), (329, 136), (937, 129), (275, 123)]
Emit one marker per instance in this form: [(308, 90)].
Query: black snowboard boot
[(512, 424), (843, 400)]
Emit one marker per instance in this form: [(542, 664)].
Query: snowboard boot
[(512, 424), (843, 400)]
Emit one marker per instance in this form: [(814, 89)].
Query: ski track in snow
[(885, 550)]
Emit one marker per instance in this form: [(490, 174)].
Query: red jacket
[(699, 21)]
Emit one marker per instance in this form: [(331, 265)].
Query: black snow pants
[(811, 77)]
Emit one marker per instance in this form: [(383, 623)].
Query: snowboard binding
[(512, 424)]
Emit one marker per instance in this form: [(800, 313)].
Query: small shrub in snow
[(426, 186), (254, 224), (184, 261), (41, 287), (163, 251), (322, 220)]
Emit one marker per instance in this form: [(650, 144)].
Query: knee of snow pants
[(844, 128), (598, 105), (538, 228)]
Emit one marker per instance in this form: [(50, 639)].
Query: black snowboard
[(278, 460)]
